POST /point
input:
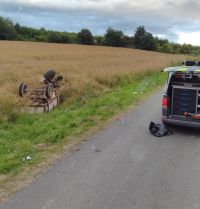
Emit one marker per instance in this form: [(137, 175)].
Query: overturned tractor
[(45, 97)]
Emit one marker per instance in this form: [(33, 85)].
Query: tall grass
[(9, 109)]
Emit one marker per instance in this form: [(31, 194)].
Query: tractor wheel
[(49, 75), (22, 89), (49, 90)]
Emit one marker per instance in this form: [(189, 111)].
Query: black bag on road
[(159, 130)]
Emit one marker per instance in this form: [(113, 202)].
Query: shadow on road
[(186, 131)]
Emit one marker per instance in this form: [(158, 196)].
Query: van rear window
[(185, 78)]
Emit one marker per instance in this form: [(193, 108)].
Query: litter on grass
[(27, 158)]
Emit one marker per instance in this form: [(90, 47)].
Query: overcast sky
[(178, 21)]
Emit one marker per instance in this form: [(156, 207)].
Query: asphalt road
[(123, 167)]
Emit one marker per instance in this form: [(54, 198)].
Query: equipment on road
[(194, 116)]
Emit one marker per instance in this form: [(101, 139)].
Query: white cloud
[(181, 9), (189, 38), (163, 18)]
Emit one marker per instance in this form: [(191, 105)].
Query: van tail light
[(164, 102)]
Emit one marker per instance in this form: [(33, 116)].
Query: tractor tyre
[(49, 90), (22, 89), (49, 75)]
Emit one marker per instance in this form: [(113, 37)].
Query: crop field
[(87, 68), (109, 79)]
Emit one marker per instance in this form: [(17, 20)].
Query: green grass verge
[(20, 138)]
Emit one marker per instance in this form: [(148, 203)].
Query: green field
[(36, 135)]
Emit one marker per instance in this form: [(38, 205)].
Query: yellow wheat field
[(80, 65)]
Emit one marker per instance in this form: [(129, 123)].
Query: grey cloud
[(158, 17)]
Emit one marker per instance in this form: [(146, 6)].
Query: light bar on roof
[(185, 69)]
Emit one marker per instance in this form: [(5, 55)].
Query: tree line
[(141, 39)]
